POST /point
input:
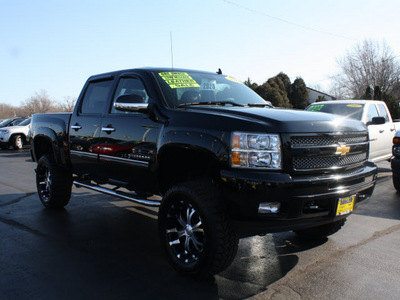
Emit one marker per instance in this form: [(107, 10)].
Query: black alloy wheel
[(53, 183), (185, 232), (44, 183), (195, 230)]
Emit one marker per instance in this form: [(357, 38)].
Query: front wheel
[(53, 183), (17, 142), (322, 230), (396, 182), (195, 230)]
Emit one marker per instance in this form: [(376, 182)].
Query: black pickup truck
[(219, 161)]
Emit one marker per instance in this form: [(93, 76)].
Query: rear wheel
[(195, 230), (321, 231), (53, 183)]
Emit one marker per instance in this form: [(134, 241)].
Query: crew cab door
[(387, 131), (127, 144), (85, 126), (380, 135)]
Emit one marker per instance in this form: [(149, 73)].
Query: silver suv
[(15, 136)]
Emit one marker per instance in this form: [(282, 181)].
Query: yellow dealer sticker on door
[(177, 80)]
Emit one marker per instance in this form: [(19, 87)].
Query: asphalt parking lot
[(105, 248)]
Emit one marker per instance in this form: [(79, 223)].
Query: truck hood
[(286, 120)]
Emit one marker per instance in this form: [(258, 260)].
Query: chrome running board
[(117, 194)]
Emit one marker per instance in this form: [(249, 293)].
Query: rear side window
[(96, 96), (372, 112), (383, 112)]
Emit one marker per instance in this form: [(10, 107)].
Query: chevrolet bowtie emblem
[(342, 150)]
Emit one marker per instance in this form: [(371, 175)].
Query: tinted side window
[(16, 122), (96, 95), (372, 112), (128, 86), (383, 112)]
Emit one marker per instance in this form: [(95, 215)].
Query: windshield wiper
[(223, 103), (260, 105)]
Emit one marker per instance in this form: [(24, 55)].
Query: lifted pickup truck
[(374, 114), (223, 163)]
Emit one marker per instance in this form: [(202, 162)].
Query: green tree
[(271, 91), (286, 81), (279, 96), (251, 84), (377, 93), (392, 105), (367, 95), (299, 94), (281, 92)]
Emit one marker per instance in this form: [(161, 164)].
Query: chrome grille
[(309, 163), (300, 141), (319, 152)]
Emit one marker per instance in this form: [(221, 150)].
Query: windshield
[(5, 123), (350, 110), (194, 88)]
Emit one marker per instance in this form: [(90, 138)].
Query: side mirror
[(131, 103), (377, 121)]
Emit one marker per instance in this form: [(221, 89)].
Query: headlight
[(253, 150), (396, 151)]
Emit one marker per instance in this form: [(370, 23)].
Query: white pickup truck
[(372, 113)]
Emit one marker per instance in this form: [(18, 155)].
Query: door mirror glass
[(377, 121)]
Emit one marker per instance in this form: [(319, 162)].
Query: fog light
[(269, 208)]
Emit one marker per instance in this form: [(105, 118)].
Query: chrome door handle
[(108, 129), (76, 127), (392, 129), (381, 131)]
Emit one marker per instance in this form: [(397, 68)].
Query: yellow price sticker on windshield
[(354, 105), (177, 80)]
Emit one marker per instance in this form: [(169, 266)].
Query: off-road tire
[(17, 142), (54, 183), (321, 231), (195, 230), (396, 182)]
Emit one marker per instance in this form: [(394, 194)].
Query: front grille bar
[(319, 152)]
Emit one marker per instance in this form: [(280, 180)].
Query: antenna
[(172, 51)]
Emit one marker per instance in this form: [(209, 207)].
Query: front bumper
[(305, 201), (4, 138), (4, 144)]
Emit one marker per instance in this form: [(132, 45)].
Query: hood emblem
[(342, 150)]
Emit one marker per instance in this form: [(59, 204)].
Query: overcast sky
[(56, 45)]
